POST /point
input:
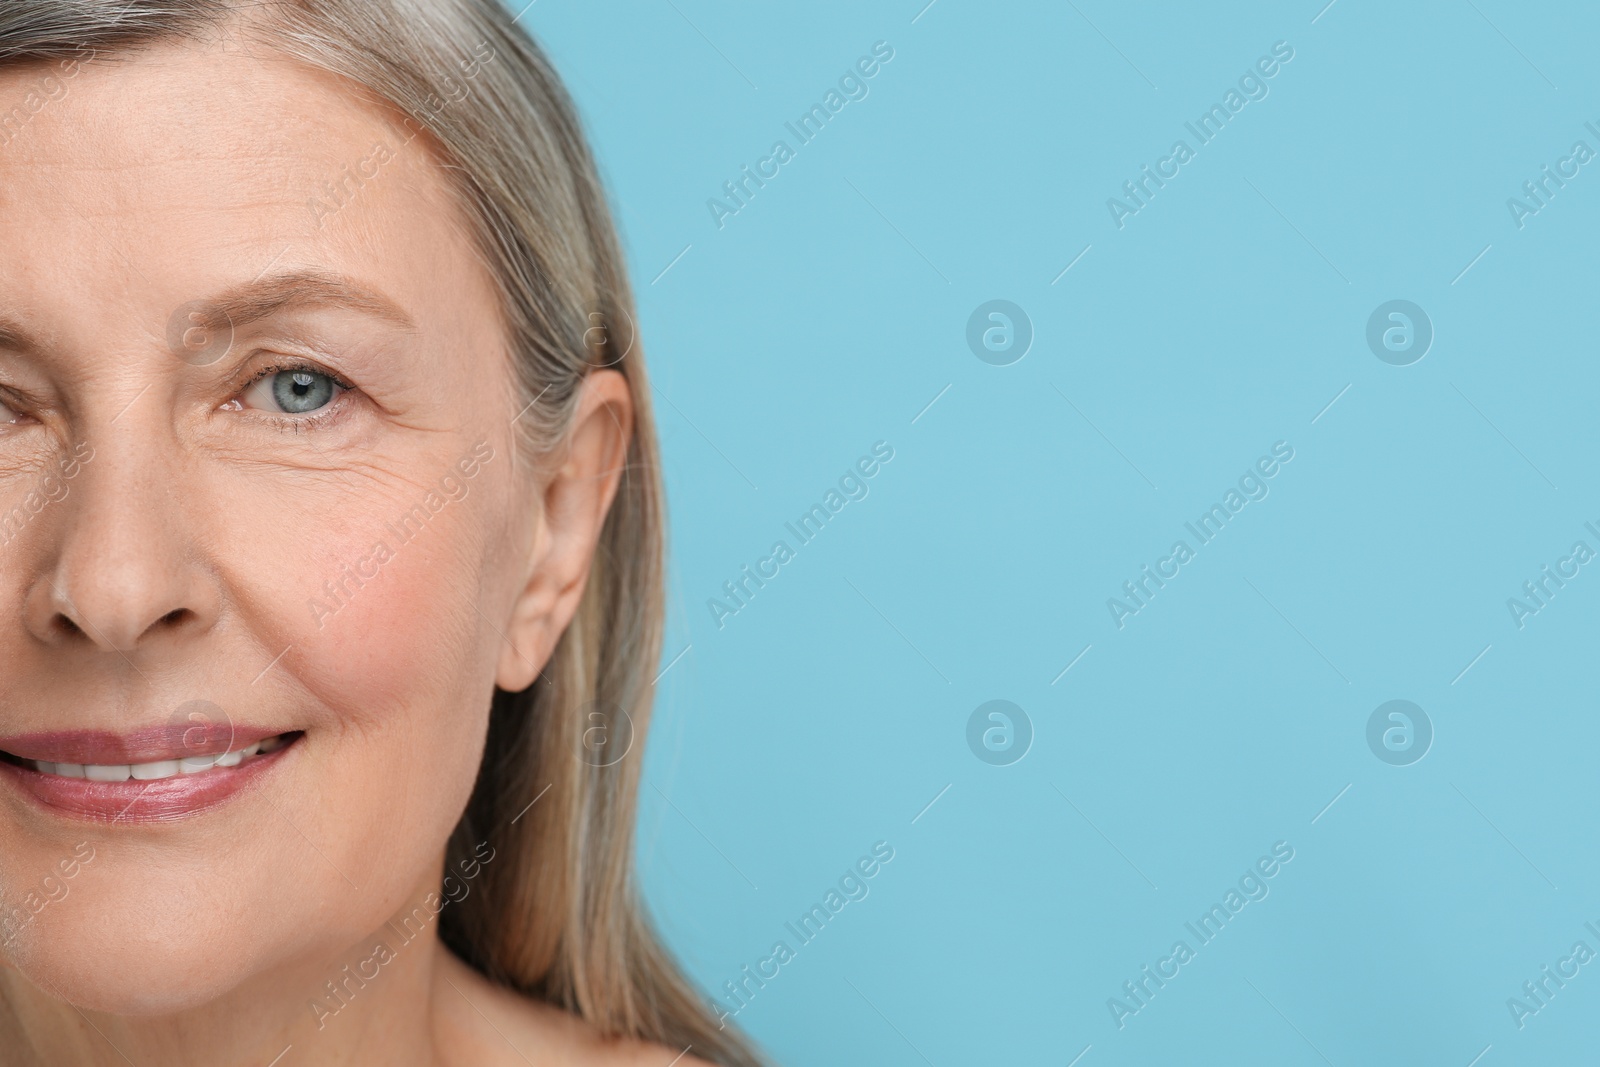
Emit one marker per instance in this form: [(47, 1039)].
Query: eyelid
[(278, 363), (16, 399), (14, 405)]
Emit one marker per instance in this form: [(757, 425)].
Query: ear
[(575, 498)]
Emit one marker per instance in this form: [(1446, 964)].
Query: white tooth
[(43, 767), (229, 759), (149, 772), (196, 764), (97, 772), (70, 770), (251, 749)]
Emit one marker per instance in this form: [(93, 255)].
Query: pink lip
[(139, 746), (135, 801)]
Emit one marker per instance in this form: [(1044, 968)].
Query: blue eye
[(293, 392)]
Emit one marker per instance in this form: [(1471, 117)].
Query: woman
[(330, 549)]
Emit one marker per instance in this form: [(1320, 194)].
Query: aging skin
[(183, 559)]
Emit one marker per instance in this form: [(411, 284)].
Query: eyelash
[(286, 422), (17, 405)]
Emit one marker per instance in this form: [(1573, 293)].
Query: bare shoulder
[(480, 1024)]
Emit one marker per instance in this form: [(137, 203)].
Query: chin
[(132, 978), (155, 951)]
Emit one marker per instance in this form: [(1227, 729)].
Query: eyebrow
[(15, 337), (254, 301)]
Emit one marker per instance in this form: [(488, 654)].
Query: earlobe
[(524, 649), (573, 508)]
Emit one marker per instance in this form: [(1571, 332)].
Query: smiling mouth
[(187, 766)]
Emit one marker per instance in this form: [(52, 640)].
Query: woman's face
[(256, 486)]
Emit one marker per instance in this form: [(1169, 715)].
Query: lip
[(139, 746), (135, 801)]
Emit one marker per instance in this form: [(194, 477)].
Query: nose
[(122, 571)]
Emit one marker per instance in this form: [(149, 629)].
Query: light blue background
[(1225, 316)]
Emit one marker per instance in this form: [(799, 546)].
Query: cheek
[(388, 624), (392, 659), (376, 597), (389, 650)]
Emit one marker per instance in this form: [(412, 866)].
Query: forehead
[(182, 168)]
